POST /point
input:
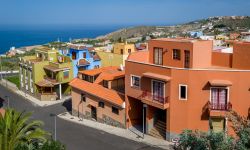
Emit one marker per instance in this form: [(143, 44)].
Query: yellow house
[(123, 48), (118, 56)]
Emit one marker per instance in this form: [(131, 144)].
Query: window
[(158, 92), (129, 50), (135, 81), (115, 110), (101, 104), (176, 54), (83, 97), (105, 83), (73, 55), (84, 55), (66, 74), (122, 51), (183, 92), (158, 52), (219, 98)]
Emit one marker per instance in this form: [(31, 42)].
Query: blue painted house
[(84, 58)]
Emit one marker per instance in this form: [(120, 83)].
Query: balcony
[(155, 100), (52, 80), (215, 109)]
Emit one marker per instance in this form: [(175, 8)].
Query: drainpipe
[(143, 121)]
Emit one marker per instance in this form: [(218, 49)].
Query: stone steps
[(159, 130)]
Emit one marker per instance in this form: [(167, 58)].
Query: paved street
[(74, 136)]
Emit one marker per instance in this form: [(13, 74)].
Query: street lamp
[(8, 101), (54, 115)]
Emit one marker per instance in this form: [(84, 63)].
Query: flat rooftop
[(185, 40)]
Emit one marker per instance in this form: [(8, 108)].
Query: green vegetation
[(19, 132), (197, 140), (11, 63), (14, 79)]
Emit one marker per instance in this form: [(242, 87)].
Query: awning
[(45, 83), (54, 69), (156, 76), (220, 83)]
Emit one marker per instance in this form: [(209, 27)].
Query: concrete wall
[(241, 55), (222, 59), (111, 59), (188, 114), (123, 46)]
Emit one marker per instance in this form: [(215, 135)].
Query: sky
[(115, 12)]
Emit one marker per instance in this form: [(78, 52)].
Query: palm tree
[(16, 128)]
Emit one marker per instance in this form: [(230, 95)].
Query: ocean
[(19, 36)]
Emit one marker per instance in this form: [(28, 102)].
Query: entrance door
[(93, 112), (158, 91), (187, 59)]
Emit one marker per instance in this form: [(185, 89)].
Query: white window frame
[(164, 86), (180, 85), (219, 87), (131, 81)]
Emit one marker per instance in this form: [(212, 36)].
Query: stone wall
[(105, 119)]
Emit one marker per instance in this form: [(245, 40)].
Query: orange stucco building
[(98, 94), (182, 84)]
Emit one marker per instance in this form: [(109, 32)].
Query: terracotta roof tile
[(97, 71), (140, 56), (83, 62), (98, 91)]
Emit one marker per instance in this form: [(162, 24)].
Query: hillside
[(210, 26)]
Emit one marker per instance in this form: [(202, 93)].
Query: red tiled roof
[(140, 56), (45, 83), (97, 71), (98, 91), (83, 62)]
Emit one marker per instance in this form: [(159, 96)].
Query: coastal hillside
[(210, 26)]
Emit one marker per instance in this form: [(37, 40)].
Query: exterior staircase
[(159, 130)]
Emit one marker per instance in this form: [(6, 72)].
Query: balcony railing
[(154, 98), (215, 106)]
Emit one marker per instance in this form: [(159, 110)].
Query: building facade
[(117, 56), (98, 94), (182, 84), (84, 58), (46, 75)]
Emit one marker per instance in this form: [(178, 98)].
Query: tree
[(16, 129), (197, 140), (52, 145)]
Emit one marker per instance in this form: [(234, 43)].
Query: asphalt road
[(74, 136)]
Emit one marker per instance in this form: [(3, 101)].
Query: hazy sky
[(116, 12)]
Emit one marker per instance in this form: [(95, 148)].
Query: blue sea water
[(19, 36)]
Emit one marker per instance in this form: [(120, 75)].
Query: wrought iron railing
[(154, 97), (217, 106)]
